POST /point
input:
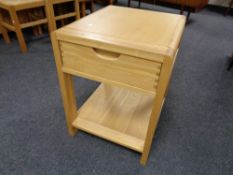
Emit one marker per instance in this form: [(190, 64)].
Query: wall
[(219, 2)]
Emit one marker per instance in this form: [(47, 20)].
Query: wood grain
[(124, 54), (116, 28), (116, 114), (128, 70), (67, 88)]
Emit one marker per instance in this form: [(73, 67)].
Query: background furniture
[(229, 8), (18, 15), (13, 18), (189, 5), (61, 10), (3, 31), (231, 63), (86, 4), (133, 65), (110, 2)]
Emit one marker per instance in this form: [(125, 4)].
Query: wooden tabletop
[(128, 29)]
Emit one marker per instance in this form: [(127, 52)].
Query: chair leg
[(229, 8), (77, 9), (231, 63), (83, 6), (4, 32), (129, 3), (188, 15), (139, 3), (22, 43), (111, 2), (92, 6), (18, 30), (49, 11), (182, 9)]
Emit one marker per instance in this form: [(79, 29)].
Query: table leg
[(157, 107), (67, 89), (18, 30)]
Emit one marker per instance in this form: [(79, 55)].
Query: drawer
[(106, 66)]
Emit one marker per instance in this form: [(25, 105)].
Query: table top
[(128, 28), (18, 2)]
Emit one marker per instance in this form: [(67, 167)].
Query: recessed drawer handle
[(106, 55)]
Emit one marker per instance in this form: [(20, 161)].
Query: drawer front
[(105, 66)]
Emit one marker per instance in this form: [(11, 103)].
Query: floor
[(194, 135)]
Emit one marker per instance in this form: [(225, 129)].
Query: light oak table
[(133, 59), (14, 24)]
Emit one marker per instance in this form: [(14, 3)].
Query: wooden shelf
[(116, 114)]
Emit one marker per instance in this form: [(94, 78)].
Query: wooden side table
[(132, 58), (14, 23)]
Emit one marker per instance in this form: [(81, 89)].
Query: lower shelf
[(116, 114)]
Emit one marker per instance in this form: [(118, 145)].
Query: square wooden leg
[(67, 89), (18, 30), (69, 100), (157, 108)]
